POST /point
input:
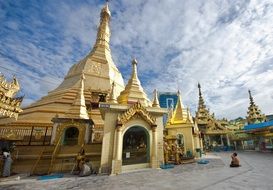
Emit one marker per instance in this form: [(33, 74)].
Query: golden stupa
[(100, 72)]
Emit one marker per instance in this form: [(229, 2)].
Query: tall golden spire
[(201, 103), (251, 99), (103, 35), (78, 108), (98, 66), (254, 114), (202, 113), (133, 91)]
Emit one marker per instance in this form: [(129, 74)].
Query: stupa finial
[(155, 100), (112, 97), (250, 97)]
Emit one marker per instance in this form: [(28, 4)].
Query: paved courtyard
[(256, 173)]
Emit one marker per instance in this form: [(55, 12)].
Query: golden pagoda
[(214, 133), (180, 126), (100, 72), (254, 114), (69, 116)]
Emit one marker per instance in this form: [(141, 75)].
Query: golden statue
[(167, 150), (80, 159)]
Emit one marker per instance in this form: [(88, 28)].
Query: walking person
[(7, 164)]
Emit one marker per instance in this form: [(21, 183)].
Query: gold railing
[(30, 135)]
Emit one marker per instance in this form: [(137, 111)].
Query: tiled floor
[(256, 173)]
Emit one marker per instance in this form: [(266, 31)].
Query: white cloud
[(225, 45)]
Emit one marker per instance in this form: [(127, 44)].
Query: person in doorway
[(234, 160), (7, 163)]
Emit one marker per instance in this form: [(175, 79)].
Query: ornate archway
[(136, 147)]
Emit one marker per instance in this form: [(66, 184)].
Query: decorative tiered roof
[(133, 91), (206, 121), (254, 114)]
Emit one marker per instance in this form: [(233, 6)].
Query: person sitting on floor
[(85, 170), (234, 160)]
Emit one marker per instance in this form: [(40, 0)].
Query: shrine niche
[(135, 146), (71, 136), (71, 131)]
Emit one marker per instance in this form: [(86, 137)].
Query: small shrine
[(182, 132), (133, 131), (75, 127)]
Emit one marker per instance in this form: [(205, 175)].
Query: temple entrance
[(71, 136), (135, 146)]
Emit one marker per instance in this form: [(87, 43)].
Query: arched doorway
[(136, 147), (71, 136)]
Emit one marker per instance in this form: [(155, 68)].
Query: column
[(118, 145), (154, 163), (117, 160), (228, 142), (222, 143)]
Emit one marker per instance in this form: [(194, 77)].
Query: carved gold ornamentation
[(11, 135), (9, 89), (96, 68), (9, 106), (136, 109)]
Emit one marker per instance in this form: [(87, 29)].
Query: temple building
[(180, 126), (118, 127), (258, 128), (214, 132)]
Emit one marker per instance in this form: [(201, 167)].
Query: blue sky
[(225, 45)]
